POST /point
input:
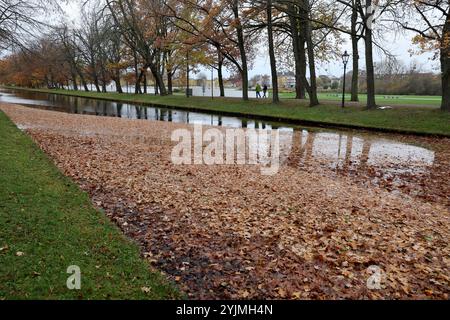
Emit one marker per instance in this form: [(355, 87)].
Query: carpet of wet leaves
[(312, 231)]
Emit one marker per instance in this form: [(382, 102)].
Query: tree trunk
[(83, 82), (169, 82), (137, 86), (371, 103), (145, 81), (299, 55), (273, 63), (241, 45), (445, 67), (82, 79), (103, 75), (94, 73), (159, 80), (118, 86), (160, 77), (313, 100), (97, 86), (47, 82), (74, 80), (220, 74), (117, 82), (355, 73), (137, 83), (96, 83)]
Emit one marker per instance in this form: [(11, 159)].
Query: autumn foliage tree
[(222, 25), (41, 65), (160, 40)]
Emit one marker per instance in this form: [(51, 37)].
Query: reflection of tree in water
[(119, 107), (365, 153), (145, 113), (294, 155), (96, 106), (301, 153), (348, 152), (101, 108), (105, 108), (141, 112), (392, 165), (138, 112), (308, 148), (74, 106)]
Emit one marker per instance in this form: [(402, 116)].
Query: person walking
[(265, 91), (258, 91)]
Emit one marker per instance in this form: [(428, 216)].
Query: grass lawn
[(414, 119), (385, 100), (48, 224)]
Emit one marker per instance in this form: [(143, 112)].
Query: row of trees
[(391, 78), (164, 38), (394, 78)]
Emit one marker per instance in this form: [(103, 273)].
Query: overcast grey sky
[(397, 44)]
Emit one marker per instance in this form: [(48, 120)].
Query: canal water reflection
[(396, 163)]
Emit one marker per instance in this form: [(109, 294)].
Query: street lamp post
[(345, 58)]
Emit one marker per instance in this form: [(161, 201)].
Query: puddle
[(395, 162)]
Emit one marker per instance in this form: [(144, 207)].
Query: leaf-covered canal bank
[(406, 119), (48, 224), (229, 232)]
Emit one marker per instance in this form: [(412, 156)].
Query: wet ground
[(343, 201), (397, 163)]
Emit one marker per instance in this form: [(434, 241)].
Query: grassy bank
[(414, 119), (48, 224), (384, 100)]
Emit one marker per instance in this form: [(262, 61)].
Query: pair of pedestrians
[(258, 91)]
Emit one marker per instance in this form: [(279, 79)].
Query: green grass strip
[(47, 224)]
